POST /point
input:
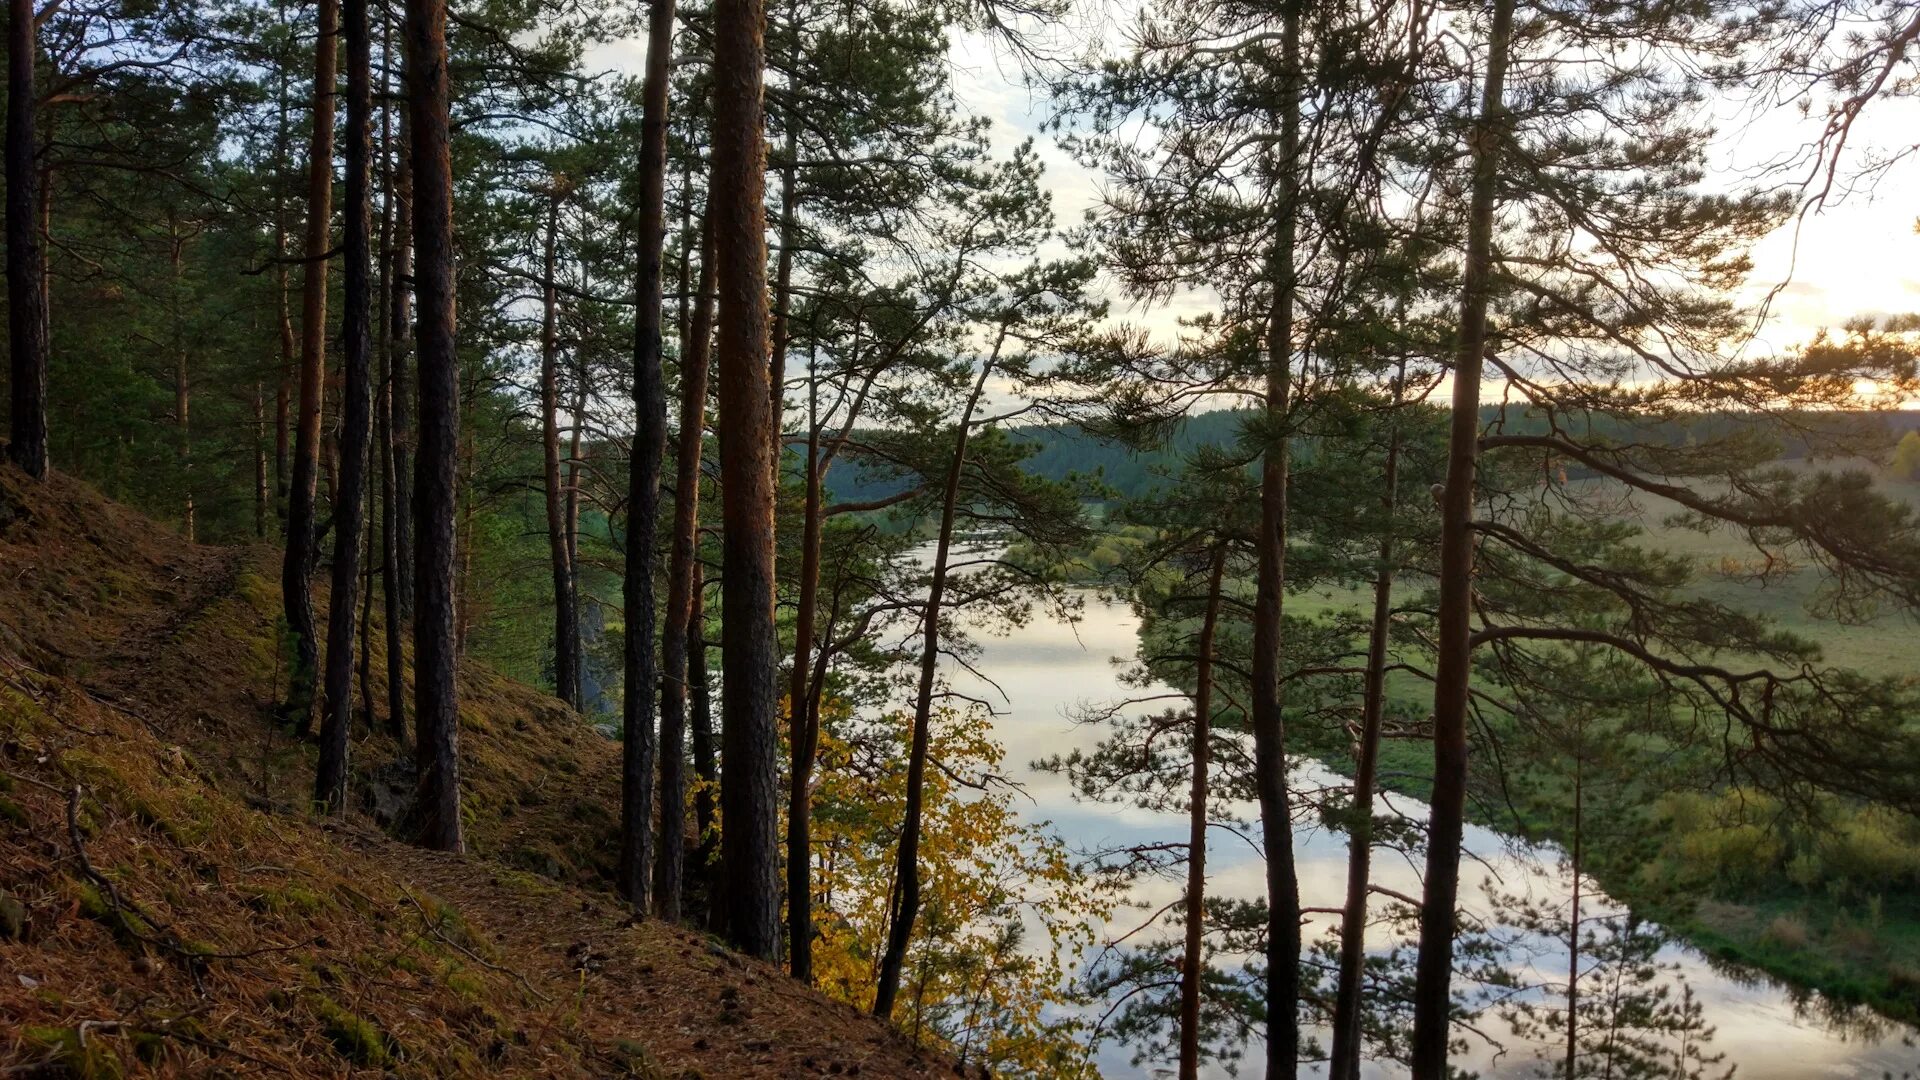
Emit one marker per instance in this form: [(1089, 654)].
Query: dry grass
[(179, 912)]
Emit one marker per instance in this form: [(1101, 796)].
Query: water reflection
[(1050, 672)]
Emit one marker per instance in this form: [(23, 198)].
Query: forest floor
[(168, 905)]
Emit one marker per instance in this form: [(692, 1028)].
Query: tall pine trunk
[(1345, 1061), (283, 389), (1194, 953), (399, 331), (1269, 727), (393, 360), (749, 699), (783, 291), (566, 618), (436, 812), (262, 492), (706, 767), (643, 474), (182, 385), (1433, 974), (803, 731), (356, 406), (904, 905), (296, 571), (26, 259), (683, 575)]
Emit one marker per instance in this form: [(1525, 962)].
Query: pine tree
[(749, 665), (296, 574), (330, 782), (435, 817)]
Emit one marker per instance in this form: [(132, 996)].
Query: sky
[(1859, 255)]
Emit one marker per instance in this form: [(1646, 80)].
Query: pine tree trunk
[(26, 259), (393, 292), (1453, 661), (1269, 726), (182, 385), (400, 348), (643, 475), (706, 767), (356, 404), (367, 565), (904, 906), (262, 493), (566, 620), (283, 391), (683, 574), (783, 294), (296, 573), (1573, 919), (1344, 1063), (803, 733), (749, 700), (1194, 956), (436, 814)]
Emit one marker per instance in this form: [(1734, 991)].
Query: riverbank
[(1858, 949)]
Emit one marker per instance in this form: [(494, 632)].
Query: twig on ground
[(433, 927)]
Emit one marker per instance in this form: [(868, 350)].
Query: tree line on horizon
[(601, 342)]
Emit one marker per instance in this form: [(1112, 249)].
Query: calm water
[(1049, 669)]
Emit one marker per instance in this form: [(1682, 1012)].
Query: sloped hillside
[(168, 907)]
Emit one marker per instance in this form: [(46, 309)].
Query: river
[(1048, 669)]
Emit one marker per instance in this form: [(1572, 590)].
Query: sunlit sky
[(1858, 255)]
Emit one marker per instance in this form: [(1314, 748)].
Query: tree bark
[(26, 259), (393, 360), (1269, 726), (1573, 919), (182, 386), (749, 700), (262, 492), (1433, 973), (783, 295), (364, 654), (1191, 968), (904, 906), (1344, 1063), (283, 391), (296, 573), (436, 814), (566, 619), (643, 475), (350, 498), (803, 732), (700, 728), (683, 575), (400, 350)]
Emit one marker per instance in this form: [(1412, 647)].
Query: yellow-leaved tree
[(1008, 911)]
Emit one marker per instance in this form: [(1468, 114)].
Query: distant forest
[(1107, 469)]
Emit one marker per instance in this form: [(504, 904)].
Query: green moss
[(358, 1039), (127, 926), (88, 1060), (13, 813), (19, 714), (522, 882), (468, 986), (291, 898)]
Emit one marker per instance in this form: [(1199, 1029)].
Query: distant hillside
[(1063, 451)]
